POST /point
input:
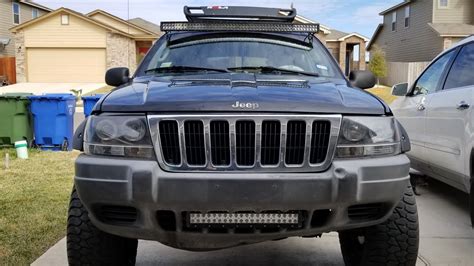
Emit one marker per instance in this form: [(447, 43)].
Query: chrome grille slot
[(170, 142), (270, 149), (319, 141), (245, 142), (295, 142), (220, 143), (194, 142)]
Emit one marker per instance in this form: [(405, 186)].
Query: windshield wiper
[(182, 69), (270, 69)]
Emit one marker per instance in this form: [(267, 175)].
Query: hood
[(223, 95)]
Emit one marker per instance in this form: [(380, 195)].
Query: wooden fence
[(8, 69), (400, 72)]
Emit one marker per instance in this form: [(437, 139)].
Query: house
[(415, 31), (145, 24), (14, 12), (343, 46), (67, 46)]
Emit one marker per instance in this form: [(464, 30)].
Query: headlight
[(116, 135), (368, 136)]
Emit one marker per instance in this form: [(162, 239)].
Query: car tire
[(87, 245), (393, 242)]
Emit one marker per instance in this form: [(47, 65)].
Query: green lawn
[(33, 203), (103, 90), (383, 92)]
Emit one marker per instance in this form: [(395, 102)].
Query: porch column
[(342, 56), (362, 65)]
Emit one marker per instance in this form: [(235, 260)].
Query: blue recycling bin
[(53, 120), (89, 103)]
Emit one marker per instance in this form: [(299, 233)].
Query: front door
[(348, 63), (448, 121), (411, 110)]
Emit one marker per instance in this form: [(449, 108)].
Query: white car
[(437, 113)]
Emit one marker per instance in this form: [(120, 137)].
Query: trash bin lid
[(53, 96), (92, 97), (16, 95)]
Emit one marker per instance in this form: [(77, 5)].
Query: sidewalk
[(40, 88)]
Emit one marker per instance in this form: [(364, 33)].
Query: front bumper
[(324, 198)]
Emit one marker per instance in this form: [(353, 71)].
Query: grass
[(34, 197), (383, 92), (103, 90)]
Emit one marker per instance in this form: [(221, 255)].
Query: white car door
[(448, 122), (411, 109)]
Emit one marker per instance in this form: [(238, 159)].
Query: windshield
[(240, 54)]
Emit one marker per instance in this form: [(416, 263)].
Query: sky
[(359, 16)]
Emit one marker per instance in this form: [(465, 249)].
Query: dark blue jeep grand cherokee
[(239, 127)]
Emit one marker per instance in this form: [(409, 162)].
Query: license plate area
[(244, 220)]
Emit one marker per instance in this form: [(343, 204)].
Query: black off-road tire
[(87, 245), (393, 242)]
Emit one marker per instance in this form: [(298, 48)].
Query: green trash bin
[(15, 119)]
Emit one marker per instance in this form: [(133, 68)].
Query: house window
[(65, 19), (407, 16), (394, 21), (34, 13), (443, 3), (16, 13)]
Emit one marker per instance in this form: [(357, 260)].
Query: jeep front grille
[(245, 143), (264, 143), (194, 141), (319, 141), (220, 143), (270, 149), (170, 142), (295, 142)]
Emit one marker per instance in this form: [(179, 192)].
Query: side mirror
[(117, 76), (362, 79), (400, 89)]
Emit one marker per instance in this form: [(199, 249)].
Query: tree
[(378, 64)]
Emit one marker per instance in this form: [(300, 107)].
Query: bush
[(378, 64)]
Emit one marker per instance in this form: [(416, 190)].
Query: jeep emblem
[(240, 105)]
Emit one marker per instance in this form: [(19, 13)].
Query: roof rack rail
[(239, 26), (194, 14)]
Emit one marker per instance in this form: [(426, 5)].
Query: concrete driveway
[(446, 239), (40, 88)]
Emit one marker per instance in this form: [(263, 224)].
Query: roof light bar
[(200, 13), (239, 26)]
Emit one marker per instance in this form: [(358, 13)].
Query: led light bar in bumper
[(239, 26), (243, 218)]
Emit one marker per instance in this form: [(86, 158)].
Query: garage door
[(65, 65)]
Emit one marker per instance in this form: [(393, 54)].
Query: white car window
[(461, 73), (429, 80)]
